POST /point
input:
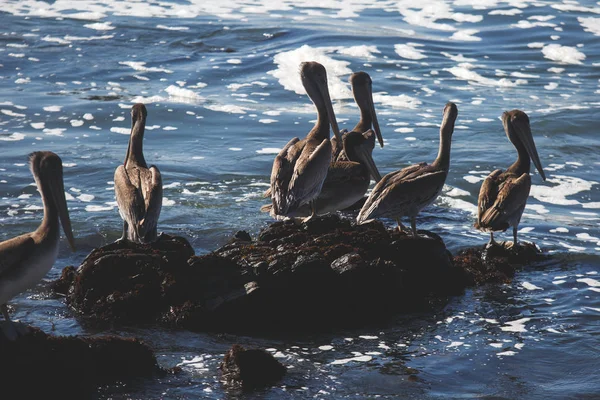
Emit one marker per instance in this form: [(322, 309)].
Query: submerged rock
[(71, 366), (307, 276), (250, 369)]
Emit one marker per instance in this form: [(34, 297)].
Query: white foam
[(361, 51), (563, 54), (76, 122), (11, 113), (409, 51), (515, 326), (399, 101), (267, 121), (141, 66), (466, 35), (97, 208), (54, 132), (566, 186), (88, 116), (234, 61), (122, 131), (86, 197), (167, 202), (362, 358), (228, 108), (530, 286), (12, 137), (326, 347), (100, 26), (288, 63), (506, 353), (590, 24), (173, 28), (464, 71), (589, 281), (53, 108)]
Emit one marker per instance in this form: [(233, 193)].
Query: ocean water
[(220, 81)]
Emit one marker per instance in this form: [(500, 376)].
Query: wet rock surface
[(38, 364), (250, 368), (323, 273)]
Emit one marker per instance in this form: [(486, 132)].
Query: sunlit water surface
[(220, 80)]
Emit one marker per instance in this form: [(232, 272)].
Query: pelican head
[(449, 117), (314, 80), (138, 112), (46, 168), (362, 89), (138, 125), (516, 126), (357, 148)]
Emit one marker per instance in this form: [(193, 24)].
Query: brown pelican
[(503, 195), (407, 191), (362, 91), (26, 259), (347, 181), (138, 189), (299, 170)]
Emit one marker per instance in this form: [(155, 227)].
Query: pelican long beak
[(366, 156), (374, 118), (57, 190), (523, 131), (329, 105)]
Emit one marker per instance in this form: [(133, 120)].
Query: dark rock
[(304, 277), (496, 264), (70, 366), (62, 284), (252, 368)]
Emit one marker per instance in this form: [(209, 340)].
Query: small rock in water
[(252, 368)]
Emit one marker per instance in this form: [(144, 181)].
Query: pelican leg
[(313, 210), (492, 242), (124, 236), (8, 328), (401, 227), (413, 225)]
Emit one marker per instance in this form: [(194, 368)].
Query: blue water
[(220, 80)]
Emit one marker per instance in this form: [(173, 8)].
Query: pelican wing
[(152, 193), (512, 197), (488, 193), (129, 199), (13, 251), (397, 192), (281, 173), (309, 174)]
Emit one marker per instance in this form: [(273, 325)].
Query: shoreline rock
[(72, 366), (325, 273)]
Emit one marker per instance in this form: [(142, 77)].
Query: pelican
[(26, 259), (503, 195), (138, 189), (407, 191), (362, 91), (347, 181), (299, 170)]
